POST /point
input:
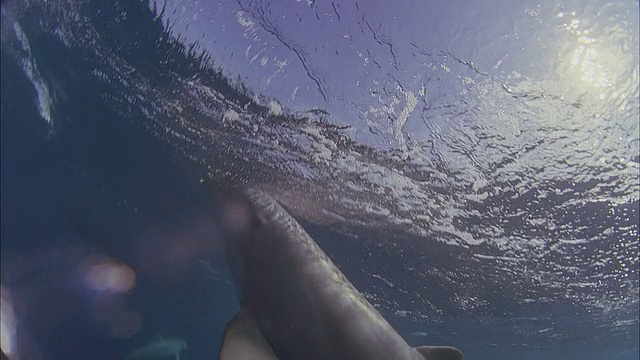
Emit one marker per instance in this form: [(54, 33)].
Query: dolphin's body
[(295, 303), (159, 349)]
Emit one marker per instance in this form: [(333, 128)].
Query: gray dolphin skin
[(295, 303)]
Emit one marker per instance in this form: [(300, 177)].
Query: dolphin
[(159, 349), (294, 302)]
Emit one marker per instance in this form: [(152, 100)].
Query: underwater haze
[(473, 167)]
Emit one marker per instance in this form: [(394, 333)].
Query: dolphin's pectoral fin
[(440, 353), (244, 340)]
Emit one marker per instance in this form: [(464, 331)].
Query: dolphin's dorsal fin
[(440, 353), (244, 340)]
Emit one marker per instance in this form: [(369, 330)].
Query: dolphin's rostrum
[(159, 349), (295, 303)]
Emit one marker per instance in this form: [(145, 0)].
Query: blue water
[(473, 168)]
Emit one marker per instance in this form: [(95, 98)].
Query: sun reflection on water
[(598, 61)]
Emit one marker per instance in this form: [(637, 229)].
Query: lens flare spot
[(109, 276), (8, 324)]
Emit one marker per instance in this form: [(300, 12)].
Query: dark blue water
[(473, 168)]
